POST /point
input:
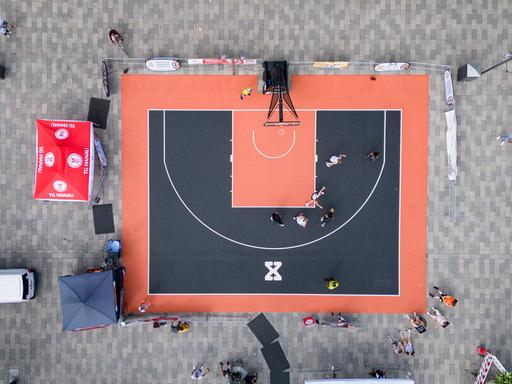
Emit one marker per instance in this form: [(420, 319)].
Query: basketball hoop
[(275, 78)]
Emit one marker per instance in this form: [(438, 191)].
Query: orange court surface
[(272, 166), (201, 176)]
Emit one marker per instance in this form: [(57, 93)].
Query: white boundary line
[(256, 109), (285, 247), (290, 294), (315, 157), (272, 157), (270, 206), (399, 205), (232, 155), (149, 210)]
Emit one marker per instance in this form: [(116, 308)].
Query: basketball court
[(202, 175)]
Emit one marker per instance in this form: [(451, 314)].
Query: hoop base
[(281, 123)]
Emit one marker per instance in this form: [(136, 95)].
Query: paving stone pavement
[(53, 68)]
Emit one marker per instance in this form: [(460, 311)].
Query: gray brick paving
[(53, 69)]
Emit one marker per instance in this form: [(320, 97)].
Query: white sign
[(391, 67), (163, 64), (448, 87), (451, 144)]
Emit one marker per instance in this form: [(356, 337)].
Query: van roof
[(11, 288)]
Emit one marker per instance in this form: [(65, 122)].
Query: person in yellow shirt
[(332, 283), (245, 92)]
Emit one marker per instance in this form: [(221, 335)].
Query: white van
[(17, 285)]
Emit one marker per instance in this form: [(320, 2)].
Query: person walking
[(301, 220), (341, 322), (199, 372), (183, 327), (332, 283), (159, 323), (438, 316), (417, 322), (407, 342), (327, 217), (335, 160), (6, 29), (175, 326), (443, 297), (372, 155), (245, 92), (314, 198), (275, 217), (225, 371), (251, 378), (377, 373)]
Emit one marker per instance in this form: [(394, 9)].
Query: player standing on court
[(275, 217), (301, 219), (372, 155), (335, 160), (327, 217), (332, 283), (245, 92)]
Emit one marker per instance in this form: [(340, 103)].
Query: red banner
[(65, 160)]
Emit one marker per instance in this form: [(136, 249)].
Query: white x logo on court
[(272, 274)]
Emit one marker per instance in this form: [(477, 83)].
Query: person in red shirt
[(443, 297)]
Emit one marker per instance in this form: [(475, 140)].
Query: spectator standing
[(199, 372), (438, 316), (398, 347), (377, 373), (502, 139), (407, 342), (251, 379), (6, 28), (225, 371), (417, 323), (443, 297)]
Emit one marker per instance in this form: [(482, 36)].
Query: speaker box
[(98, 112)]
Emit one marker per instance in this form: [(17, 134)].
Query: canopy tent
[(91, 300), (65, 160)]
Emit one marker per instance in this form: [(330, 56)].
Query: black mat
[(191, 218), (275, 357), (263, 330), (279, 377), (103, 218), (98, 112)]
